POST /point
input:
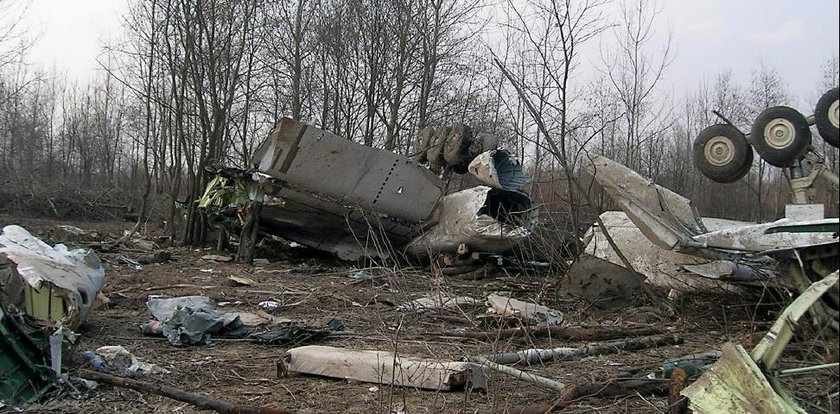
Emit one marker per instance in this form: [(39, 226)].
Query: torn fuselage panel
[(60, 284), (666, 218), (499, 169), (661, 267), (333, 194), (347, 172), (312, 220), (483, 218)]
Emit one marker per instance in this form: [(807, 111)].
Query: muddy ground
[(317, 290)]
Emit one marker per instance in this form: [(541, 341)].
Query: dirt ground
[(315, 291)]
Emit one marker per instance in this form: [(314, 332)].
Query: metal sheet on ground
[(604, 284), (661, 267), (382, 367)]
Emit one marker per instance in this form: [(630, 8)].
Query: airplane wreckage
[(798, 253), (802, 247), (47, 292), (324, 191), (320, 190), (330, 193)]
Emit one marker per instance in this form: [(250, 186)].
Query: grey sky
[(795, 37), (71, 33), (709, 36)]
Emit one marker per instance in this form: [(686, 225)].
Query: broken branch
[(199, 401), (531, 356), (519, 374), (559, 332), (600, 389)]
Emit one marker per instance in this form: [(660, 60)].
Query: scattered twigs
[(632, 381), (611, 388), (494, 362), (199, 401), (595, 333), (162, 287)]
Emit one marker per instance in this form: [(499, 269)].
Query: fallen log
[(535, 356), (157, 257), (596, 333), (199, 401)]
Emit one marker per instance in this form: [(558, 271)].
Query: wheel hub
[(834, 114), (779, 133), (719, 151)]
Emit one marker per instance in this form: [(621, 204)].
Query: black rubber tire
[(789, 136), (435, 152), (457, 148), (827, 128), (747, 165), (421, 144), (734, 150)]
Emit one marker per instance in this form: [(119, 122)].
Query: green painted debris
[(25, 375)]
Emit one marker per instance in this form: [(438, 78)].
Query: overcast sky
[(72, 33), (709, 36), (794, 37)]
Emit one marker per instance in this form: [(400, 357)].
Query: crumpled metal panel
[(735, 384), (499, 169), (665, 217), (661, 267), (510, 307), (62, 284), (769, 237), (25, 376), (347, 172), (738, 382), (669, 221), (603, 283), (314, 221), (485, 219)]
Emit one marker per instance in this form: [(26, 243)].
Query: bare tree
[(635, 73), (830, 79), (13, 35), (443, 27), (396, 84), (289, 29), (552, 33)]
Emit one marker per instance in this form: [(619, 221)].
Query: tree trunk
[(250, 231)]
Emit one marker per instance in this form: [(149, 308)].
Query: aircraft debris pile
[(46, 292), (324, 191)]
